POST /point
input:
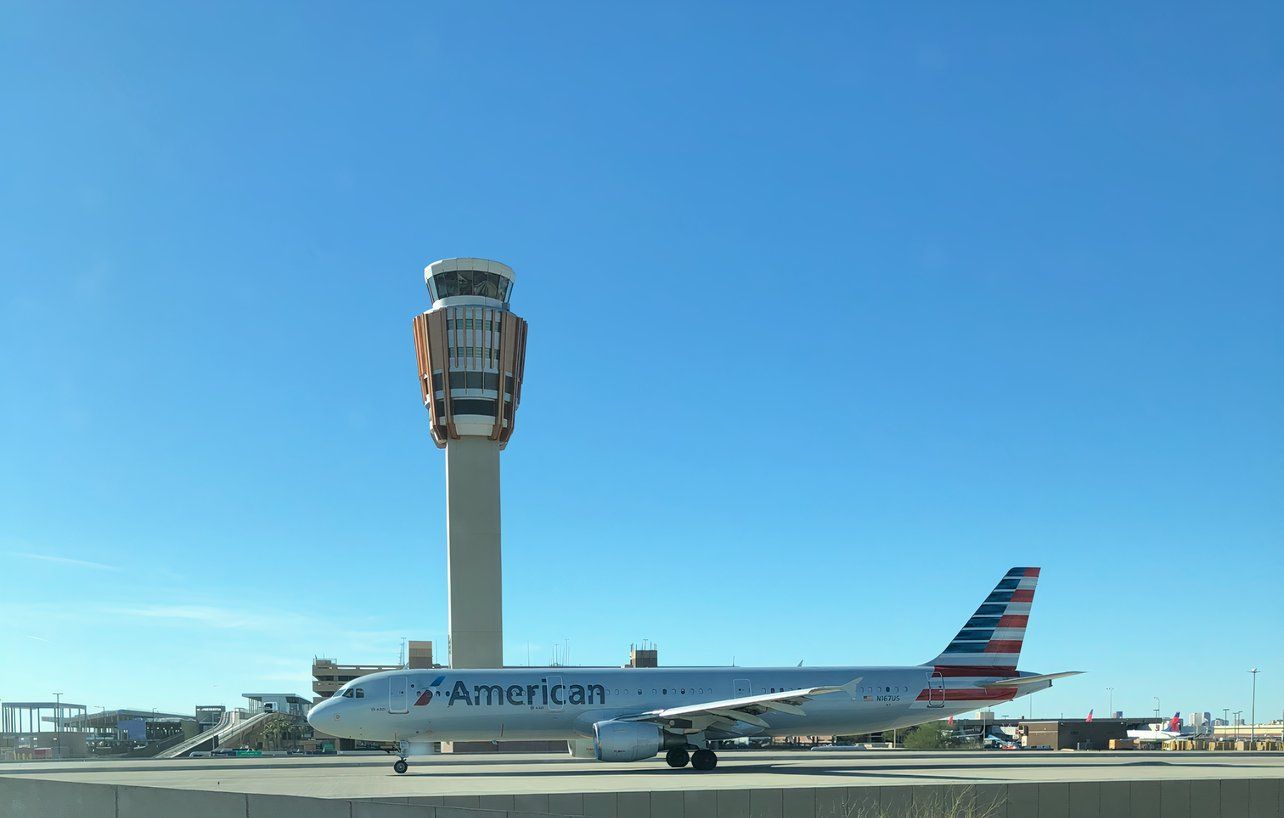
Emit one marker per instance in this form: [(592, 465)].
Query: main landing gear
[(703, 760), (400, 766), (700, 760)]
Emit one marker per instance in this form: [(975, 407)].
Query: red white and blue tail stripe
[(992, 637)]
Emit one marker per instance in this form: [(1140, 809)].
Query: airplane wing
[(1018, 681), (748, 709)]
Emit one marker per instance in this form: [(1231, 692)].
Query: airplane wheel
[(703, 760), (401, 766), (677, 757)]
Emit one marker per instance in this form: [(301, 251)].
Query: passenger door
[(743, 688), (398, 698), (554, 705)]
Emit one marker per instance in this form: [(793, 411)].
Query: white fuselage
[(564, 702)]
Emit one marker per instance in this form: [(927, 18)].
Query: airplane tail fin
[(992, 637), (1174, 724)]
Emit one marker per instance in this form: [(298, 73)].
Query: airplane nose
[(314, 715)]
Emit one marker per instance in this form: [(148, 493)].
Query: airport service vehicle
[(631, 714)]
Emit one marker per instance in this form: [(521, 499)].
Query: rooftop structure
[(646, 656), (105, 720), (290, 703), (39, 717)]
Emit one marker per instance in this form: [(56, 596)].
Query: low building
[(1076, 734)]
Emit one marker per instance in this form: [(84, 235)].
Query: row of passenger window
[(472, 380), (682, 691), (664, 691), (472, 323)]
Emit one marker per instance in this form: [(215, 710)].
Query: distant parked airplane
[(630, 714), (1172, 729)]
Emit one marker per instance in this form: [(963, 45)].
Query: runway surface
[(367, 776)]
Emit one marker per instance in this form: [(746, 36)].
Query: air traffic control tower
[(471, 353)]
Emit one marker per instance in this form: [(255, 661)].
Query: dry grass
[(962, 802)]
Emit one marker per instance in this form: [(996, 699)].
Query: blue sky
[(836, 312)]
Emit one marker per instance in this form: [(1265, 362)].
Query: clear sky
[(837, 312)]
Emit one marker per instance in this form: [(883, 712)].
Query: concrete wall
[(45, 798), (1225, 798)]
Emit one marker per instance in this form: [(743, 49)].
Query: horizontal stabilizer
[(1018, 681)]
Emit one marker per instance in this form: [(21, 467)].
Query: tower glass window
[(472, 282)]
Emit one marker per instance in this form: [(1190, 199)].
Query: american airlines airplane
[(631, 714)]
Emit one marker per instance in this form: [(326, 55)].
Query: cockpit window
[(361, 694), (347, 694)]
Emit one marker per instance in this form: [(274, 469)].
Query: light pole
[(1156, 708), (1252, 728), (1237, 721), (1111, 711)]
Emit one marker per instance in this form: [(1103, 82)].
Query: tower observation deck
[(471, 351)]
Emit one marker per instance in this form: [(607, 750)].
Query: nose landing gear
[(400, 766)]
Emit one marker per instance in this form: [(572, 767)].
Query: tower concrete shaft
[(473, 553), (471, 351)]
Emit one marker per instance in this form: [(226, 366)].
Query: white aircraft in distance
[(1173, 729), (630, 714)]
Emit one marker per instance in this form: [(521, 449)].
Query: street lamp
[(58, 713), (1156, 708), (1237, 722), (1252, 728)]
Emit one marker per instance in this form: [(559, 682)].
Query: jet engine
[(629, 740)]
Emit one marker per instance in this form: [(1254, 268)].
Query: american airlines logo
[(530, 695)]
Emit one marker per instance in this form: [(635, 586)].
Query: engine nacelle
[(626, 740)]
